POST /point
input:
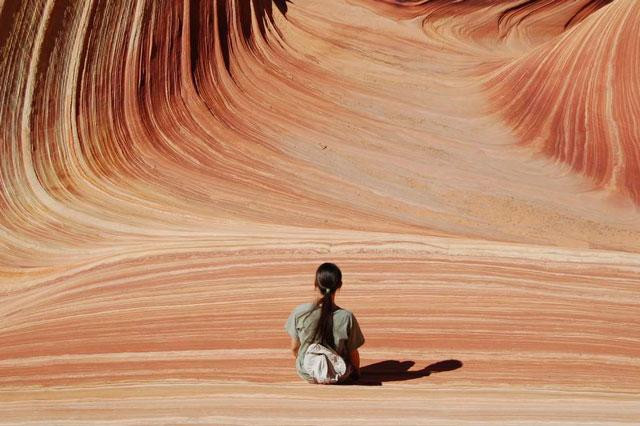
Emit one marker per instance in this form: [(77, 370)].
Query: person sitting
[(325, 337)]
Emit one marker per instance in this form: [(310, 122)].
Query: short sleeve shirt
[(302, 324)]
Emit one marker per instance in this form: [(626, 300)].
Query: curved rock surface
[(172, 173)]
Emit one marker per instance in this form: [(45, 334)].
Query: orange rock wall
[(172, 173)]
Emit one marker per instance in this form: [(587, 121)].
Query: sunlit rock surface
[(172, 173)]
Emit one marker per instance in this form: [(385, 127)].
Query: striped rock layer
[(173, 172)]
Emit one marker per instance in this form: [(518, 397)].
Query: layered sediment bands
[(574, 98), (172, 173), (196, 332), (534, 20)]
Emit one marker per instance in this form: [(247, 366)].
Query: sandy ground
[(173, 173)]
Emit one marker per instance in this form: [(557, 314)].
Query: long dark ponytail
[(328, 280)]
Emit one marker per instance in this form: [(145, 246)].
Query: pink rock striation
[(172, 173)]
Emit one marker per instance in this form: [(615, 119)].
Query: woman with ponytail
[(325, 337)]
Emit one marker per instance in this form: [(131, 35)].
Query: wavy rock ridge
[(172, 173), (573, 98)]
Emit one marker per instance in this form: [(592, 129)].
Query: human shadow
[(395, 371)]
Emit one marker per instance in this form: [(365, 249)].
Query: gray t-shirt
[(302, 323)]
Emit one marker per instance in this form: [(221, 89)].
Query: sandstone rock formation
[(172, 173)]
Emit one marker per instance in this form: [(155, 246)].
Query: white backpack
[(324, 365)]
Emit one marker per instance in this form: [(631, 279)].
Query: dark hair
[(328, 280)]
